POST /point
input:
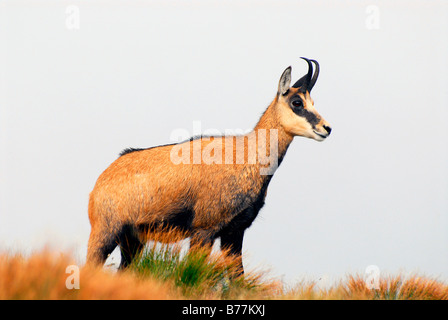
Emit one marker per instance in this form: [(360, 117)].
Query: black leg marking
[(130, 245), (233, 241)]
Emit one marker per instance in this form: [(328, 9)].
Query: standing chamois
[(206, 199)]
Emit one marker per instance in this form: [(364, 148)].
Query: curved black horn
[(306, 79), (314, 79)]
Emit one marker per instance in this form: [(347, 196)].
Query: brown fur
[(145, 189)]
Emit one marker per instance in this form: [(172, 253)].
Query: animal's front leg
[(233, 241)]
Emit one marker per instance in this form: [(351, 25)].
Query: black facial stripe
[(309, 116)]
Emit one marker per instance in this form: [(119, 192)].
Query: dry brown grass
[(390, 288), (43, 276)]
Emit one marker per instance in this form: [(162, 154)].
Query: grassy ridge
[(167, 273)]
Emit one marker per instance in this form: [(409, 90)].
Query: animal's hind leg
[(130, 245), (101, 244)]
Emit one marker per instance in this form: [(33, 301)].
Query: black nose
[(328, 129)]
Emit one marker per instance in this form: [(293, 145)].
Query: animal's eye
[(297, 103)]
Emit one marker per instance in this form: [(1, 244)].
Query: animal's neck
[(272, 139)]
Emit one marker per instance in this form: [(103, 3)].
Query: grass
[(197, 273), (165, 272), (44, 275)]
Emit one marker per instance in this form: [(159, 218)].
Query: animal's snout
[(327, 128)]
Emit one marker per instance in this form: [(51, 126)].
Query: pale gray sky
[(72, 96)]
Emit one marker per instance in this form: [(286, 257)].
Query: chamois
[(153, 187)]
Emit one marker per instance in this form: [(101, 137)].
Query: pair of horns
[(307, 81)]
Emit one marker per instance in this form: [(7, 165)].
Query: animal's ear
[(285, 81)]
